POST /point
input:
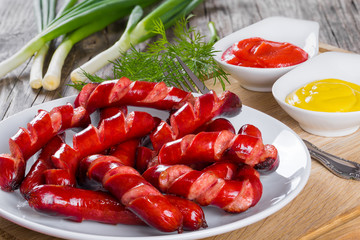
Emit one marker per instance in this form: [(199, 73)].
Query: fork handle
[(341, 167)]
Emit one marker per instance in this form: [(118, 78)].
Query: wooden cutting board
[(328, 207), (344, 226)]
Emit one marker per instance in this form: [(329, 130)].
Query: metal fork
[(187, 84), (340, 167)]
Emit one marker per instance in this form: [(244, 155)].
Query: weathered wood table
[(324, 199)]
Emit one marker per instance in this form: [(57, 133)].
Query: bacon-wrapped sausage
[(205, 187), (78, 204), (132, 190), (27, 141), (135, 93)]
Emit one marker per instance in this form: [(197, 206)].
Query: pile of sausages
[(134, 168)]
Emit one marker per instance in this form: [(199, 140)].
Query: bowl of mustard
[(323, 94)]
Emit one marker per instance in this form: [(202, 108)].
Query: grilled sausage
[(205, 187), (133, 191), (27, 141), (78, 204), (136, 93)]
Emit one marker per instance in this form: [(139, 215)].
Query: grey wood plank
[(339, 25)]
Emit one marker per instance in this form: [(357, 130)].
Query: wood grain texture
[(336, 226), (325, 196), (339, 23)]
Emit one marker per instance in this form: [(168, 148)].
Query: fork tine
[(186, 85), (182, 85), (200, 85)]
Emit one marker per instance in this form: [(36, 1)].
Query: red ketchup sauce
[(260, 53)]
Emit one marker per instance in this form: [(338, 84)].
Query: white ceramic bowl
[(344, 66), (301, 33)]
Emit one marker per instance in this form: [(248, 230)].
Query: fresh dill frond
[(77, 85), (93, 78), (157, 63)]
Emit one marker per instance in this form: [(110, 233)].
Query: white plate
[(280, 187)]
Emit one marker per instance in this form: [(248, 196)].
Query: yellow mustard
[(327, 95)]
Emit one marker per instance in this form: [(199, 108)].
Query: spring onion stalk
[(213, 32), (52, 77), (45, 11), (69, 4), (167, 12), (36, 72), (73, 18)]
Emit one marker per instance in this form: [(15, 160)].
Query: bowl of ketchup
[(259, 54)]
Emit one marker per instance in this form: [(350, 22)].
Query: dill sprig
[(151, 64), (93, 78)]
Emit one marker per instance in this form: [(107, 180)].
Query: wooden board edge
[(324, 47), (332, 224)]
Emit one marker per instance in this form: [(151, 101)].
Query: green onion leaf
[(74, 17), (52, 78), (167, 12)]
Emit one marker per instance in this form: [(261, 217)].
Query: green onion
[(73, 18), (45, 11), (213, 32), (168, 12), (66, 6), (52, 77)]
